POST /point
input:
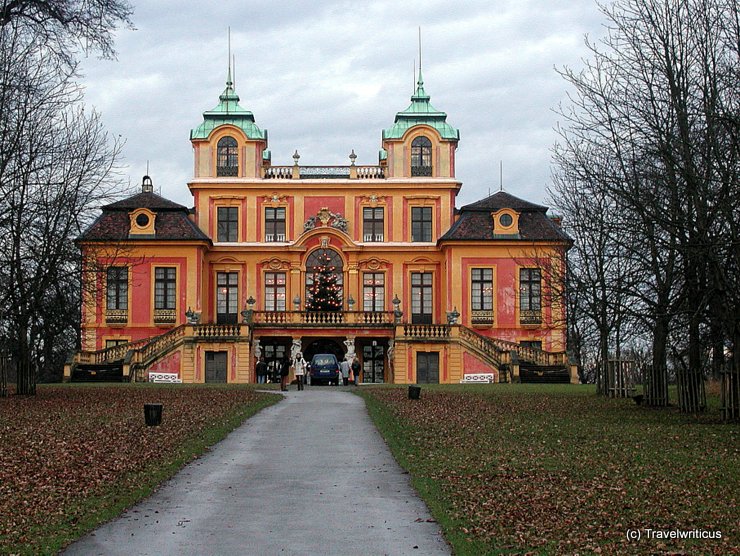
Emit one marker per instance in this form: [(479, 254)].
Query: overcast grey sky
[(326, 77)]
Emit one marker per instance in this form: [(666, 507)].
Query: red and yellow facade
[(430, 293)]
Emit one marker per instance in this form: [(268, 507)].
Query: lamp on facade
[(452, 316), (352, 157), (350, 301), (297, 302), (296, 157), (397, 313), (191, 316), (248, 312)]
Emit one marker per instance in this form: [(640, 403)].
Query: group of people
[(350, 371)]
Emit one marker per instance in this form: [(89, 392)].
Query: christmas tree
[(325, 292)]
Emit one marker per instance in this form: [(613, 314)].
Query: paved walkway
[(309, 475)]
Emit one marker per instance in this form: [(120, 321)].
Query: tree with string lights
[(325, 292)]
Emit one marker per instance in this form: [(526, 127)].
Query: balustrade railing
[(326, 172), (160, 343), (484, 345), (279, 172), (426, 330), (370, 173), (216, 330), (532, 355), (113, 353), (530, 316), (116, 316), (322, 318), (165, 316)]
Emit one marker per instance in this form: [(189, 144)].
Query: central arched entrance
[(323, 345)]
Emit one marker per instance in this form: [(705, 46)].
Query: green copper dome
[(421, 112), (228, 111)]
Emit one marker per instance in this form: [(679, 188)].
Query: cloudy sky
[(326, 77)]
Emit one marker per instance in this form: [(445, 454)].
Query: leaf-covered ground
[(557, 470), (74, 455)]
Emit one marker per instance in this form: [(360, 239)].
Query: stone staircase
[(506, 359), (131, 361)]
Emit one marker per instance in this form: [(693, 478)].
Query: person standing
[(284, 372), (344, 367), (261, 370), (299, 368), (356, 370)]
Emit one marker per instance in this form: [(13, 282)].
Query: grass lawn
[(75, 456), (554, 469)]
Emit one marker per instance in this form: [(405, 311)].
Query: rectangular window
[(421, 297), (373, 291), (275, 224), (228, 223), (372, 224), (536, 344), (482, 289), (530, 296), (275, 291), (421, 224), (114, 343), (117, 286), (227, 297), (165, 288)]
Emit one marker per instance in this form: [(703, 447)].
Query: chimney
[(557, 220)]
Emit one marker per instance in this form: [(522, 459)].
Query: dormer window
[(227, 158), (141, 222), (505, 222), (421, 157)]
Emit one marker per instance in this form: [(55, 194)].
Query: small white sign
[(477, 378), (167, 378)]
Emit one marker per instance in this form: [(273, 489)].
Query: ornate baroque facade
[(430, 293)]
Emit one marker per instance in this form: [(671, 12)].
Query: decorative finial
[(296, 157), (352, 157), (229, 82)]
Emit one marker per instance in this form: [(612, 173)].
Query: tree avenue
[(647, 174), (56, 164)]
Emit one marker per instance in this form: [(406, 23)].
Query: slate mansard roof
[(171, 223), (476, 224)]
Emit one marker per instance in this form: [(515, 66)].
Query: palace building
[(426, 292)]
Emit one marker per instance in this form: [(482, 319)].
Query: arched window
[(324, 281), (227, 158), (421, 157)]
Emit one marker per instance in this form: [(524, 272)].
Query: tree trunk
[(692, 397), (731, 381), (4, 362), (656, 381), (25, 372)]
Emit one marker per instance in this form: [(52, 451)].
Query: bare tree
[(56, 164), (652, 126)]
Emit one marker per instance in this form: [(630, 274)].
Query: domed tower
[(420, 143), (228, 144)]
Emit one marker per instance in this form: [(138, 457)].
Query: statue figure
[(295, 348), (349, 343)]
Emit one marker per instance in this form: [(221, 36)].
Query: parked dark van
[(325, 369)]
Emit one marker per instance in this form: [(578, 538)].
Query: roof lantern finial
[(229, 82), (420, 112), (146, 185)]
